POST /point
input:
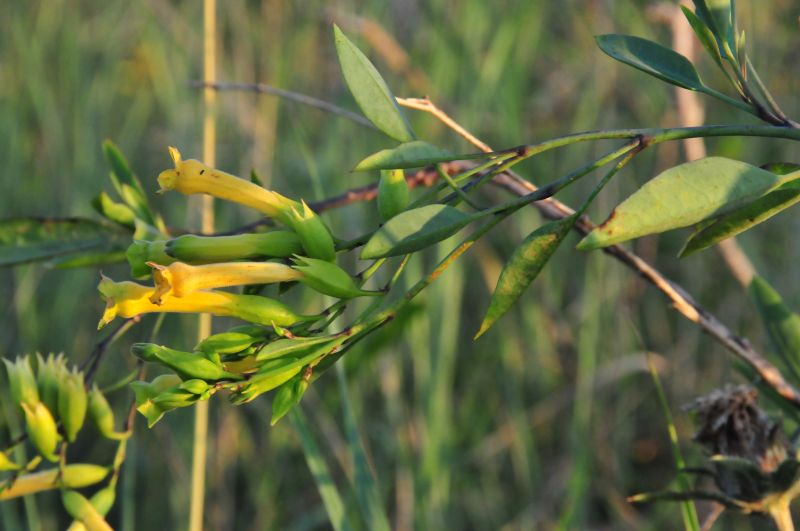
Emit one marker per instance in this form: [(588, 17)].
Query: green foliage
[(24, 240), (415, 229), (523, 267), (682, 196), (748, 216), (414, 154), (652, 58), (370, 90)]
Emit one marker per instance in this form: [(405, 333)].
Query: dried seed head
[(732, 424)]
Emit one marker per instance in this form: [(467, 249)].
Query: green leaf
[(413, 230), (782, 325), (414, 154), (370, 90), (287, 397), (113, 211), (129, 187), (652, 58), (523, 267), (704, 35), (31, 239), (744, 218), (88, 259), (365, 485), (682, 196), (326, 485)]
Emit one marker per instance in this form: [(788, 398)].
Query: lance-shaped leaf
[(523, 266), (682, 196), (415, 229), (746, 217), (782, 325), (414, 154), (651, 58), (129, 187), (370, 90), (30, 239), (704, 35)]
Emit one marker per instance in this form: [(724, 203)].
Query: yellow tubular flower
[(193, 177), (129, 299), (179, 279)]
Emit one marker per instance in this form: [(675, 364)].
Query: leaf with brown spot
[(684, 195)]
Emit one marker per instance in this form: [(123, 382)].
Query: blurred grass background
[(550, 420)]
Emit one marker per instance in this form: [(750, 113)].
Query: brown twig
[(552, 208), (261, 88), (90, 365), (683, 302)]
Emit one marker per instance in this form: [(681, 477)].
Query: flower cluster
[(189, 274)]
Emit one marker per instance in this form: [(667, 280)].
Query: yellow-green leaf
[(743, 218), (523, 267), (370, 90), (413, 230), (681, 196), (414, 154)]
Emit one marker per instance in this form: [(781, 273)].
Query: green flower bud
[(227, 343), (102, 416), (142, 251), (74, 476), (288, 396), (22, 384), (314, 234), (82, 510), (72, 403), (154, 399), (49, 373), (188, 365), (210, 249), (41, 429), (393, 193), (329, 279), (272, 374)]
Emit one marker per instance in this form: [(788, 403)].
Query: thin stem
[(296, 97), (199, 450), (462, 195), (773, 105)]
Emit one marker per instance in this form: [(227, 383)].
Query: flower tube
[(179, 279), (129, 299)]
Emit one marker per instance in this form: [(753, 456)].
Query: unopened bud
[(72, 403), (49, 373), (74, 476), (102, 416), (82, 510), (41, 429), (393, 193), (329, 279), (22, 384), (314, 234), (188, 365)]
